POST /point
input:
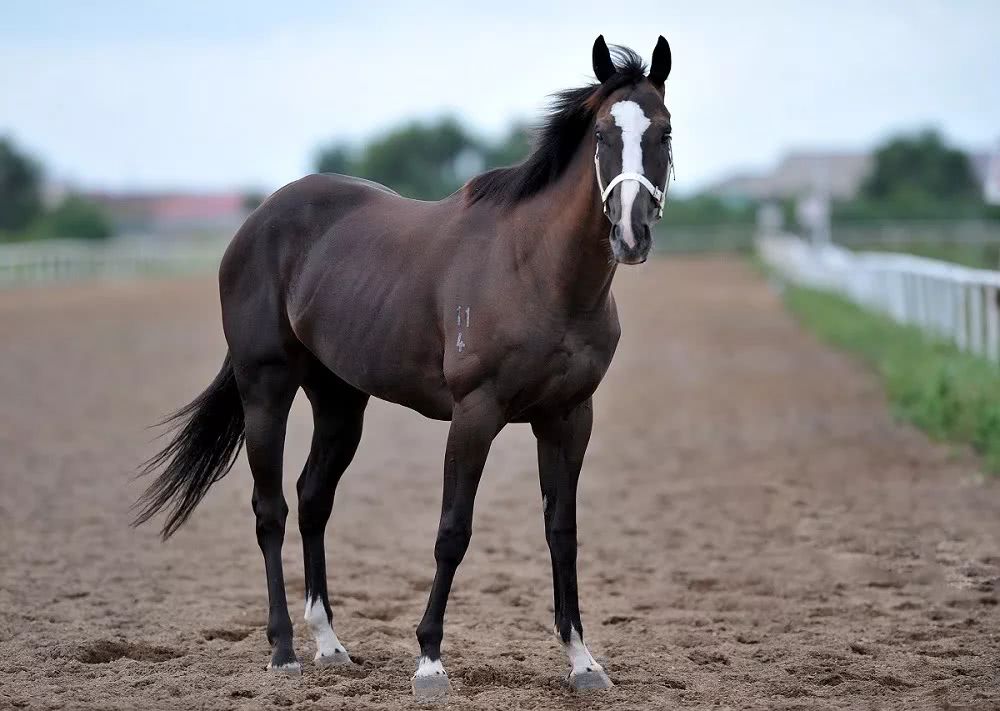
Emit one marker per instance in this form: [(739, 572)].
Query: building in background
[(837, 174), (173, 214)]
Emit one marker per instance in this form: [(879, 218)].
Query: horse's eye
[(665, 139), (599, 136)]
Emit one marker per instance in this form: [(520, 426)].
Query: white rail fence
[(71, 260), (946, 300)]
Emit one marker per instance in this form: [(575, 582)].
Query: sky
[(206, 95)]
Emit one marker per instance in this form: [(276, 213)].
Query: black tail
[(208, 435)]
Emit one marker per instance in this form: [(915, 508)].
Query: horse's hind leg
[(338, 412), (267, 389)]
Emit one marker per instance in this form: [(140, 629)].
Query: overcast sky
[(239, 93)]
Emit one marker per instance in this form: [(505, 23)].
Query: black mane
[(558, 137)]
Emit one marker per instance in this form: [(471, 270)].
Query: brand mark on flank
[(459, 312)]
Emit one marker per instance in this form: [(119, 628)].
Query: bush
[(910, 206), (74, 218), (708, 210)]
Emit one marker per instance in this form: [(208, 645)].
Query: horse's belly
[(385, 344), (402, 374), (429, 399)]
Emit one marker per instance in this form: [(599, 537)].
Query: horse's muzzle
[(635, 253)]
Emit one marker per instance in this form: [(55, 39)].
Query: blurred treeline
[(24, 214), (918, 176), (425, 160)]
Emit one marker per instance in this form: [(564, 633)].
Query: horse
[(491, 306)]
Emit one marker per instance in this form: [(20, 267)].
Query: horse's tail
[(207, 434)]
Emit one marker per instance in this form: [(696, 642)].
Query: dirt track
[(755, 530)]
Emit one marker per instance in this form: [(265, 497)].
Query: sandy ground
[(755, 529)]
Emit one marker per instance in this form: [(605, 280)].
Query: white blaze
[(630, 118)]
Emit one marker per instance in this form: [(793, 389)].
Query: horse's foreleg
[(337, 421), (562, 442), (476, 420)]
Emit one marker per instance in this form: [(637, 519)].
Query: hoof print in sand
[(104, 651), (227, 635)]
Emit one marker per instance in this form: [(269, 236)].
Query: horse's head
[(633, 157)]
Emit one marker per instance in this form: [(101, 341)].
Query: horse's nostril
[(618, 231)]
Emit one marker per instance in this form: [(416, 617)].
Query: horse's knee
[(562, 544), (452, 544), (311, 521)]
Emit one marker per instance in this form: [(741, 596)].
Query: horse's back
[(278, 236), (310, 203), (267, 255), (364, 182)]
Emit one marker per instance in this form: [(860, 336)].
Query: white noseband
[(660, 196)]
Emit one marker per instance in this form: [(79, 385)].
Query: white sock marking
[(579, 656), (425, 667), (630, 118), (327, 643)]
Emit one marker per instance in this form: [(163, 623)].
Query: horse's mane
[(557, 138)]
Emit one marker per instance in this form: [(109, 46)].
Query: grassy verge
[(952, 396)]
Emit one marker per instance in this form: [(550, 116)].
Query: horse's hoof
[(431, 687), (287, 669), (336, 659), (589, 680)]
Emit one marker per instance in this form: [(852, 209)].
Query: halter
[(660, 196)]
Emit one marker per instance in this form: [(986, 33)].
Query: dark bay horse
[(491, 306)]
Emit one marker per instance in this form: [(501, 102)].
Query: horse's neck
[(562, 236)]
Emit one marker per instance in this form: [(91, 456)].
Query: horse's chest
[(533, 365), (562, 376)]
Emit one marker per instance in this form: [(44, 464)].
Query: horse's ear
[(659, 70), (604, 68)]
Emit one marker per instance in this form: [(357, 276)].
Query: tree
[(418, 159), (20, 188), (424, 160), (75, 218), (511, 149), (336, 158), (921, 168)]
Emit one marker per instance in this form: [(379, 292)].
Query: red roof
[(172, 207)]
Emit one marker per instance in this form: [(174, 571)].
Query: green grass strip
[(952, 396)]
